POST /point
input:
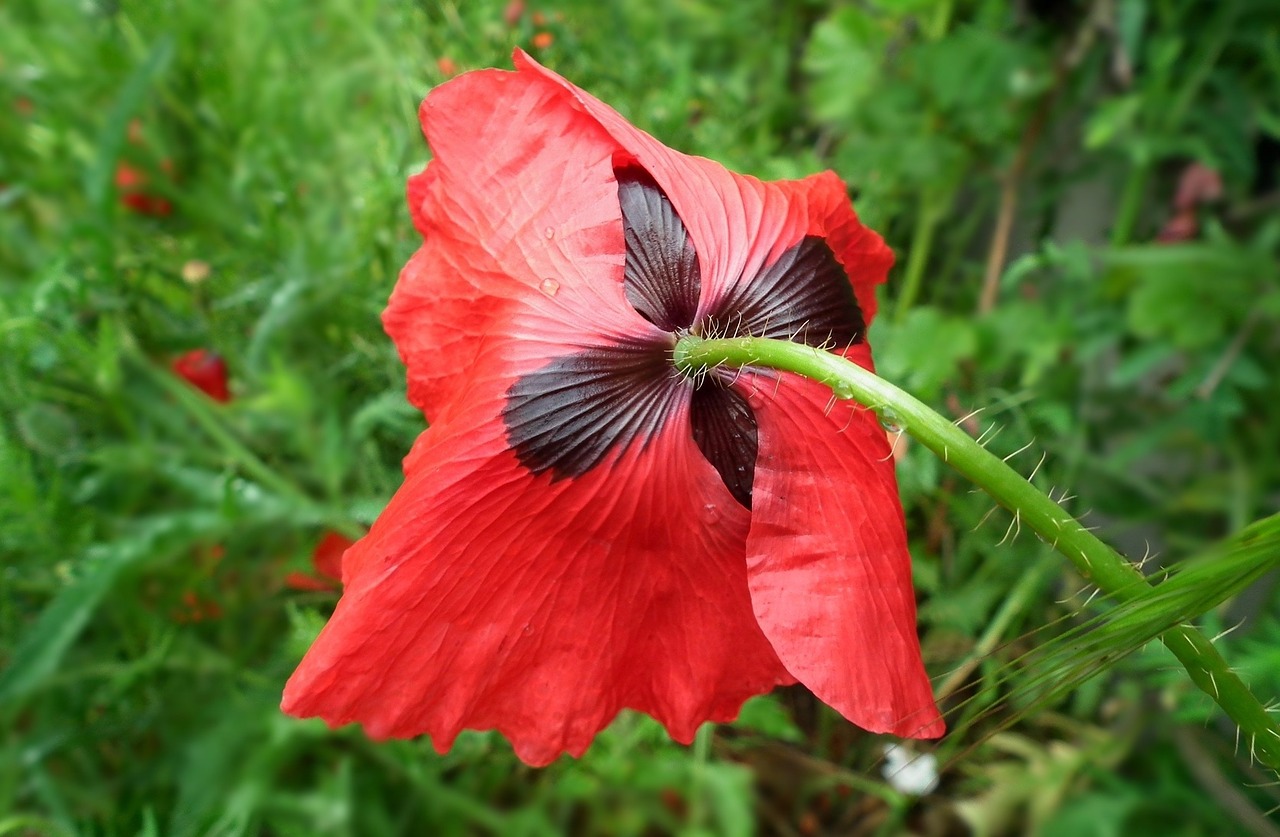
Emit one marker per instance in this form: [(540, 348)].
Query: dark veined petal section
[(827, 559), (662, 278), (566, 416), (738, 224), (804, 296), (487, 597), (724, 429)]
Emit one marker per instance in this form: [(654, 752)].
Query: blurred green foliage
[(1024, 160)]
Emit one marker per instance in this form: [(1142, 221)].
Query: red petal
[(308, 583), (739, 224), (827, 557), (204, 370), (489, 598), (327, 556), (523, 235)]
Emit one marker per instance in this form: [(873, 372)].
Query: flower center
[(568, 415)]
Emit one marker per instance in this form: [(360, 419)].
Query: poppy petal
[(829, 571), (738, 224), (522, 236), (487, 597)]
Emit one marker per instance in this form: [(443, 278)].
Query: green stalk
[(927, 218), (1093, 559), (1130, 204)]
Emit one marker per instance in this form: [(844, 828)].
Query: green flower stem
[(1094, 560)]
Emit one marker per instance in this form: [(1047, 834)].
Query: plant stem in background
[(1135, 186), (927, 218), (1094, 560)]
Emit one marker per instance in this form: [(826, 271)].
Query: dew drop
[(527, 630), (889, 421), (710, 514), (549, 232), (549, 286)]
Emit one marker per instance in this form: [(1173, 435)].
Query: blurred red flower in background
[(133, 182), (583, 529), (204, 370), (132, 186), (327, 559), (1197, 185), (513, 12)]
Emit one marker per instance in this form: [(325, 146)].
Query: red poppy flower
[(583, 529), (327, 559), (204, 370), (133, 185)]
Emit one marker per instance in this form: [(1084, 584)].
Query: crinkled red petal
[(739, 224), (522, 236), (830, 575), (489, 598)]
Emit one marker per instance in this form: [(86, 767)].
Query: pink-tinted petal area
[(518, 210), (489, 598), (739, 224), (830, 575)]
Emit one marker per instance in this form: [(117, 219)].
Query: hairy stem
[(1092, 558)]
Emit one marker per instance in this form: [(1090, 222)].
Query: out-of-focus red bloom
[(194, 608), (204, 370), (327, 559), (1197, 185), (583, 529), (542, 40), (512, 14), (447, 67), (132, 185)]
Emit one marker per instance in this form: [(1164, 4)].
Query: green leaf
[(1190, 294), (111, 139), (40, 651), (923, 351), (1111, 119), (843, 60)]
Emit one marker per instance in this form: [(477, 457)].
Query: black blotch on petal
[(662, 278), (724, 428), (804, 296), (566, 416)]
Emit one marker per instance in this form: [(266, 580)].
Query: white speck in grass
[(915, 774)]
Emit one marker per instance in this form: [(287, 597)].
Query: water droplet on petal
[(549, 232), (527, 630), (710, 514), (549, 286)]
